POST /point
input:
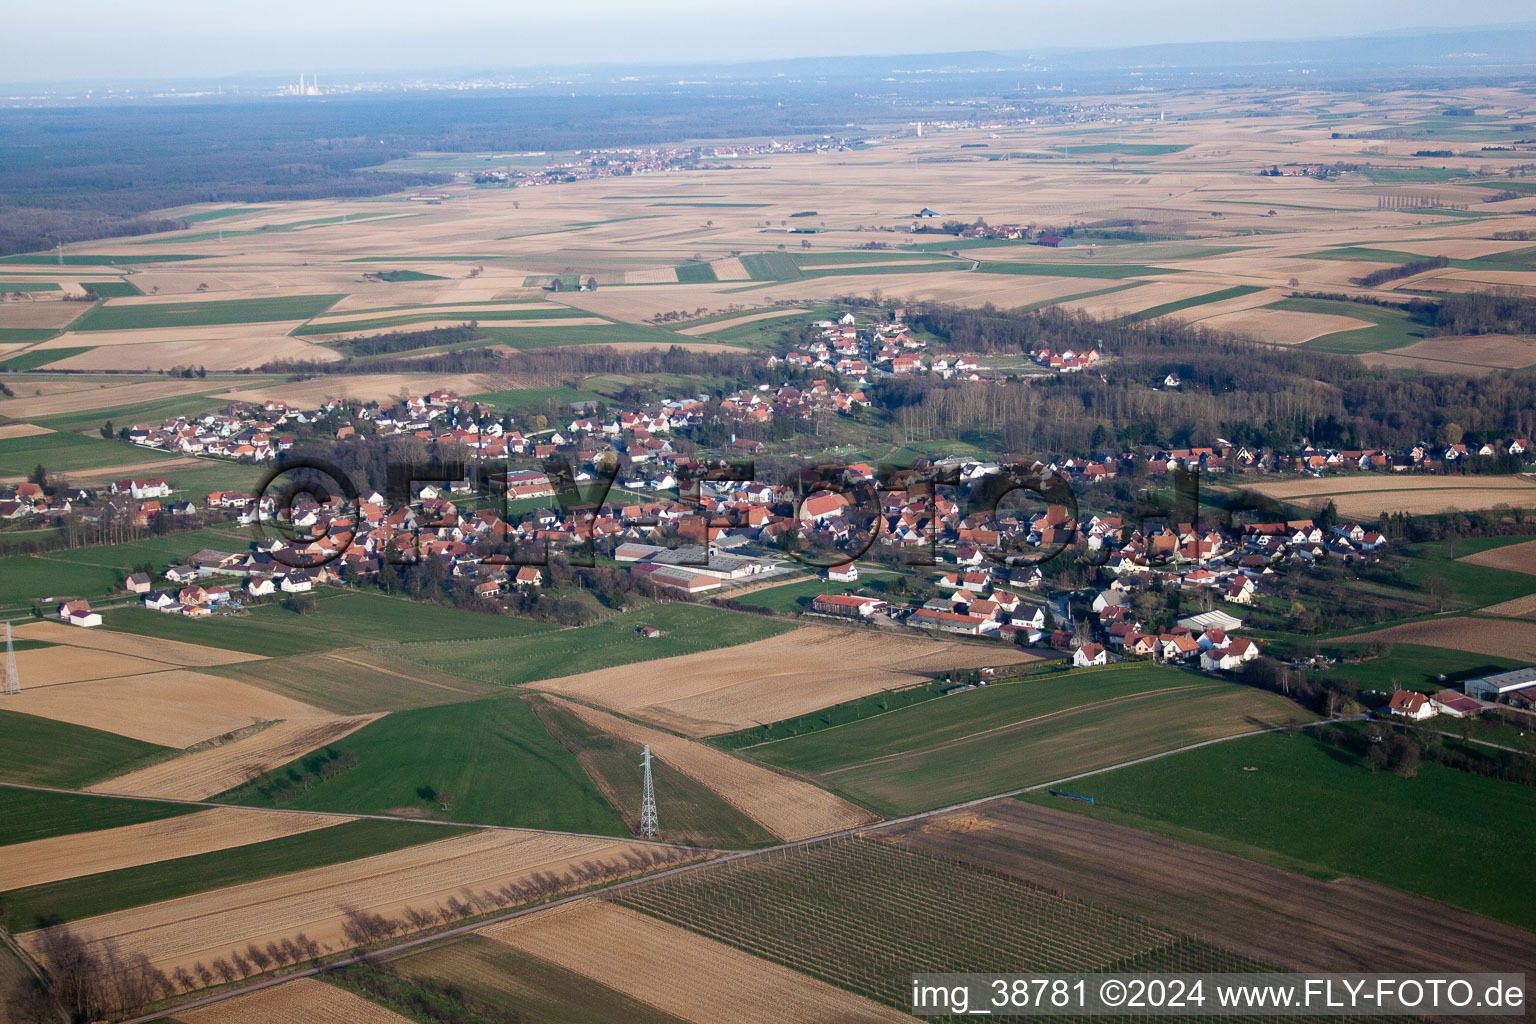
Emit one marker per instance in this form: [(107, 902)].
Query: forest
[(1232, 388)]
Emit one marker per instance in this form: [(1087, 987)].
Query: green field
[(1409, 667), (71, 899), (341, 619), (407, 275), (93, 572), (1445, 834), (695, 813), (7, 287), (1472, 585), (797, 597), (24, 336), (502, 976), (111, 289), (586, 334), (1237, 291), (1393, 328), (1016, 734), (63, 452), (108, 317), (357, 682), (695, 273), (39, 357), (551, 653), (27, 814), (493, 756), (41, 752), (1079, 268), (228, 211), (527, 311), (92, 260)]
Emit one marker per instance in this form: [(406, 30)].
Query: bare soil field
[(721, 325), (1502, 638), (1515, 557), (40, 314), (174, 652), (9, 431), (302, 1001), (769, 680), (1458, 248), (1143, 296), (789, 808), (224, 347), (641, 303), (427, 325), (658, 275), (1282, 326), (78, 396), (1358, 497), (1282, 919), (86, 853), (173, 709), (1253, 300), (680, 972), (212, 770), (43, 669), (378, 387), (1519, 608), (1489, 351), (390, 313), (731, 269), (207, 925)]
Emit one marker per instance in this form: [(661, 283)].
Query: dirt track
[(1282, 919)]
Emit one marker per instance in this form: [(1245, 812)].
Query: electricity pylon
[(648, 824)]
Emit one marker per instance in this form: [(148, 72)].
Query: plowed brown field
[(769, 680), (682, 973)]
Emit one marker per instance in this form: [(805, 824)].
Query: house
[(162, 601), (1234, 655), (845, 573), (649, 632), (1413, 706), (528, 576), (1089, 655), (261, 586), (138, 583), (180, 574), (1176, 646), (85, 619), (847, 606), (69, 609)]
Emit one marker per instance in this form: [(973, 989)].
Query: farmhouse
[(847, 606), (1413, 706)]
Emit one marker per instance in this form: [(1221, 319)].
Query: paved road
[(704, 865)]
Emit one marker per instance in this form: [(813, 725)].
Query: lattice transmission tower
[(648, 824), (12, 677)]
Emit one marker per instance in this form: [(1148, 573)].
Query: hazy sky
[(114, 39)]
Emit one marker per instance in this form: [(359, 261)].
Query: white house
[(1413, 706), (845, 573), (1089, 655)]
